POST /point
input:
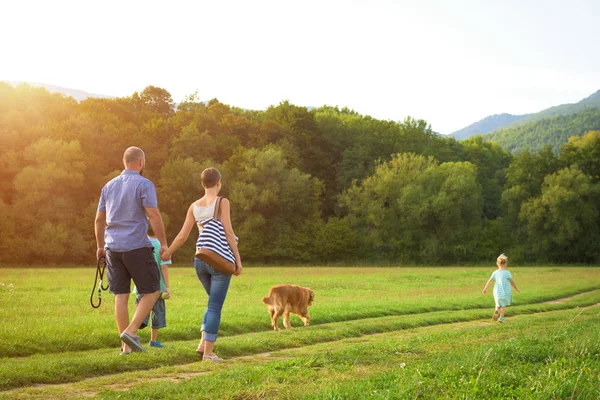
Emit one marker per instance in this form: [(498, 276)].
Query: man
[(126, 205)]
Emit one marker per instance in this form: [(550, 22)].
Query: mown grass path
[(140, 384), (178, 362)]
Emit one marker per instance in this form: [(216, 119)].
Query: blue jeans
[(159, 313), (216, 284)]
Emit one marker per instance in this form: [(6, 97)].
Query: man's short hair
[(133, 154)]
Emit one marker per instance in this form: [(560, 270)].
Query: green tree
[(584, 152), (49, 198), (156, 100), (524, 180), (414, 209), (492, 163), (192, 144), (179, 185), (274, 206), (563, 223)]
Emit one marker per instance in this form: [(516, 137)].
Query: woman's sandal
[(212, 358), (200, 350)]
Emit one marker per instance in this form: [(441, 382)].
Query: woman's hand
[(238, 269)]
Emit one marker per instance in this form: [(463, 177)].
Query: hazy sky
[(449, 62)]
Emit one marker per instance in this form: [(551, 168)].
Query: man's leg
[(143, 269), (122, 316), (142, 311), (119, 282)]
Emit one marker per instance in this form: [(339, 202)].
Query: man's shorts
[(138, 265), (159, 313)]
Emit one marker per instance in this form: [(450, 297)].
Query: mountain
[(78, 95), (504, 121), (564, 109), (486, 125), (553, 131)]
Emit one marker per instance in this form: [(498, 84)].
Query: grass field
[(375, 333)]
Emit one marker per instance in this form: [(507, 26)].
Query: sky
[(449, 62)]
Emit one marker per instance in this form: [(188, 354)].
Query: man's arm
[(99, 228), (158, 227)]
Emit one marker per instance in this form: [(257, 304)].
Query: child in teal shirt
[(159, 312), (502, 292)]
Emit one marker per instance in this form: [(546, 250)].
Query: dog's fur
[(286, 299)]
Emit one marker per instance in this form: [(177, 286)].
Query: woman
[(215, 283)]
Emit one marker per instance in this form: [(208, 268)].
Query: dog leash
[(100, 269)]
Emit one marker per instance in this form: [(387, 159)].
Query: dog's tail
[(266, 300)]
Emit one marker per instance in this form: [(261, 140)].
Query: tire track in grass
[(564, 299), (134, 378), (295, 338), (338, 318), (322, 333), (93, 386)]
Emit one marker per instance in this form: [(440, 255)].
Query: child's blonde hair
[(502, 260)]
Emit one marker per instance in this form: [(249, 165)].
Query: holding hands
[(166, 254), (163, 249)]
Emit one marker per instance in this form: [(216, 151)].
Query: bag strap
[(217, 215)]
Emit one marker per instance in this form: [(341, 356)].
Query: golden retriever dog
[(286, 299)]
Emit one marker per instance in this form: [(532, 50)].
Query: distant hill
[(564, 109), (486, 125), (78, 95), (553, 131), (504, 121)]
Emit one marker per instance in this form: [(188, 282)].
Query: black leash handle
[(100, 269)]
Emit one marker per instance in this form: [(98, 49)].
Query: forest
[(324, 185)]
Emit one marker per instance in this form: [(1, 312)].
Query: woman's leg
[(204, 278), (202, 275), (216, 285), (219, 284), (200, 348)]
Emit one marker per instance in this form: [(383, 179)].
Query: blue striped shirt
[(123, 199)]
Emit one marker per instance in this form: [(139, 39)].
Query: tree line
[(319, 185)]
